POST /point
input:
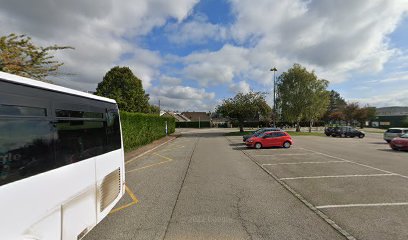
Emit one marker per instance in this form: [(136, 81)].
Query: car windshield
[(405, 135), (394, 131)]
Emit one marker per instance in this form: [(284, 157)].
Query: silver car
[(393, 133)]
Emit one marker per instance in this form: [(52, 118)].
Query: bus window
[(25, 148), (10, 110), (113, 131), (77, 114), (79, 140)]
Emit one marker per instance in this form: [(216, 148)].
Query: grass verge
[(318, 134)]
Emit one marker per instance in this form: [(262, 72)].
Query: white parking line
[(284, 154), (296, 163), (363, 205), (360, 164), (341, 176)]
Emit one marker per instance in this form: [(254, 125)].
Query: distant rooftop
[(392, 111)]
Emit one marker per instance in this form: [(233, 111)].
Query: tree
[(154, 109), (336, 116), (18, 55), (301, 95), (122, 85), (336, 104), (364, 114), (244, 107), (350, 111)]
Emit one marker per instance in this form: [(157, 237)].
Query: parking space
[(358, 183), (153, 181)]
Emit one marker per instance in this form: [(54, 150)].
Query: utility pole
[(159, 108), (274, 96)]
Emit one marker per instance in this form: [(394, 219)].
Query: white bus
[(61, 160)]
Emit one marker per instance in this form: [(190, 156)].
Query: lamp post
[(274, 95)]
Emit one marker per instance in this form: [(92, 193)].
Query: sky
[(191, 54)]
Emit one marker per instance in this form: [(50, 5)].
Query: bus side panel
[(36, 197), (104, 169)]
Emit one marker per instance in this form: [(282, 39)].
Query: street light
[(274, 100)]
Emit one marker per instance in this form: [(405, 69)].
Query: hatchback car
[(393, 133), (270, 139), (259, 131), (400, 143), (347, 131)]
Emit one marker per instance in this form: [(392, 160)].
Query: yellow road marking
[(132, 196), (152, 165)]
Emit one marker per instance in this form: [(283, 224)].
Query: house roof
[(197, 116), (178, 116)]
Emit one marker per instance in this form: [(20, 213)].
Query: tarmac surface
[(204, 185)]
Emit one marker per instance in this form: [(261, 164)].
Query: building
[(197, 116), (387, 117), (178, 116)]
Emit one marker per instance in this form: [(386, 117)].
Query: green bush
[(139, 129), (193, 124)]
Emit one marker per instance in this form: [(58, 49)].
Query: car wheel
[(286, 144), (388, 141), (258, 145), (361, 135), (333, 135), (327, 134)]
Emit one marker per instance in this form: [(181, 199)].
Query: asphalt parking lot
[(204, 185), (359, 184)]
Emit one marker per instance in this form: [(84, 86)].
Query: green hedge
[(139, 129), (193, 124)]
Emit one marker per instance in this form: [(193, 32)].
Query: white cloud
[(98, 32), (183, 98), (196, 31), (330, 35), (240, 87), (396, 98), (336, 39), (167, 80)]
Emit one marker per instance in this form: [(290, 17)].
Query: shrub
[(139, 129)]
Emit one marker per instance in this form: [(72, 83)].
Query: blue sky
[(191, 54)]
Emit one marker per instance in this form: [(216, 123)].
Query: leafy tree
[(301, 95), (336, 116), (154, 109), (364, 114), (122, 85), (336, 104), (18, 55), (244, 107), (350, 112)]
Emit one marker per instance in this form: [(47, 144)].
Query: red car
[(400, 143), (270, 139)]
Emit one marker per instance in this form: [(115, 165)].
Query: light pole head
[(274, 69)]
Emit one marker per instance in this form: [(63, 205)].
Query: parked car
[(259, 131), (329, 131), (270, 139), (393, 133), (400, 143), (347, 131)]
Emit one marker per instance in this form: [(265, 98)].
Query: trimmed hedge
[(193, 124), (139, 129)]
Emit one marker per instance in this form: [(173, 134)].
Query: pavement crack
[(181, 187), (240, 215)]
